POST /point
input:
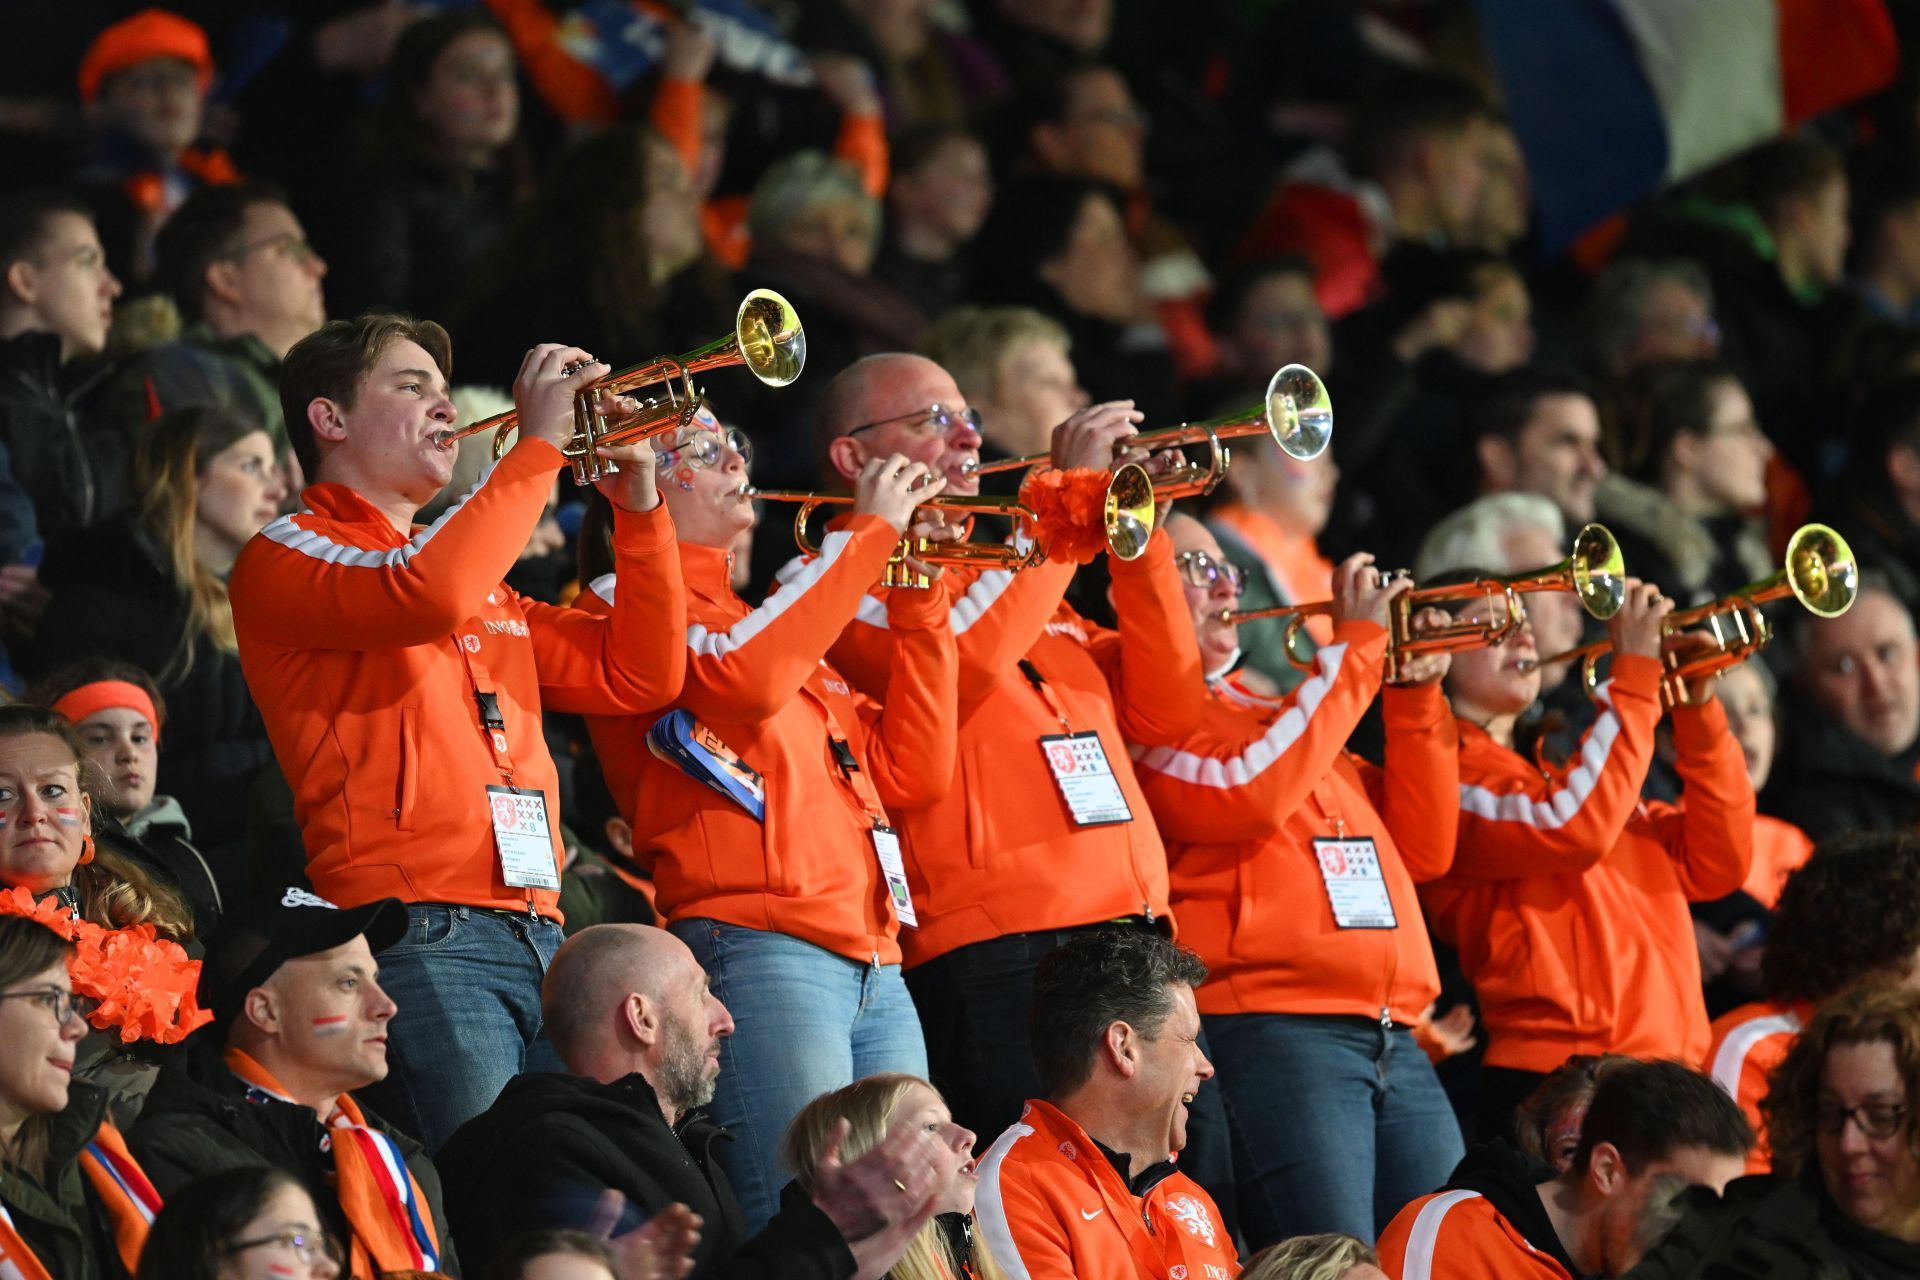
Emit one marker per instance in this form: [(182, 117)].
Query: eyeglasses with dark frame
[(939, 417), (1877, 1120), (63, 1005)]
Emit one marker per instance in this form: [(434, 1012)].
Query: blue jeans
[(806, 1022), (974, 1002), (1343, 1122), (467, 983)]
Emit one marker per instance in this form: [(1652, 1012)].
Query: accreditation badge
[(523, 838), (1356, 889), (893, 868), (1080, 770)]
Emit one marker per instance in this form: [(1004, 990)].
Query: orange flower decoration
[(1070, 510), (144, 983)]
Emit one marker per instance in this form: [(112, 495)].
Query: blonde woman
[(150, 588), (1325, 1257), (947, 1248)]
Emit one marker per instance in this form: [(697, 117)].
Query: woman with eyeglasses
[(1843, 1121), (73, 1204), (761, 801), (243, 1224), (1293, 864)]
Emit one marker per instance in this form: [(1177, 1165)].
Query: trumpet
[(1297, 413), (767, 338), (1594, 571), (1819, 572), (1128, 514)]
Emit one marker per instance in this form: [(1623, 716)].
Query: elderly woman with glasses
[(1844, 1126), (73, 1204)]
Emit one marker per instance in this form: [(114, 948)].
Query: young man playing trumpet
[(1293, 866), (1568, 894), (1044, 832), (766, 801), (402, 682)]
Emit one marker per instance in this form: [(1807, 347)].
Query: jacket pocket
[(409, 780)]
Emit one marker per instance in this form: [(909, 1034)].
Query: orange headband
[(103, 695)]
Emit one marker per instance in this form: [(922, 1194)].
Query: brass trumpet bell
[(1296, 412), (1820, 572), (767, 339), (1595, 572)]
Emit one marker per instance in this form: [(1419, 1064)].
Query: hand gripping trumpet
[(766, 338), (1128, 514), (1819, 572), (1594, 571), (1297, 413)]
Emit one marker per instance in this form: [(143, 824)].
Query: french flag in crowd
[(1612, 98)]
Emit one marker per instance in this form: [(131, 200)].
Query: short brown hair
[(329, 363), (1868, 1014)]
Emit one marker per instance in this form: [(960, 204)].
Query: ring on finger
[(901, 1185)]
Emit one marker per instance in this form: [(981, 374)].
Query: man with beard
[(629, 1011)]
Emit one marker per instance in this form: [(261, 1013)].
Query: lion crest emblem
[(1193, 1216)]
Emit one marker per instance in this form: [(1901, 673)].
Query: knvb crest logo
[(1193, 1216)]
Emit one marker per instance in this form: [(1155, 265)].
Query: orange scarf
[(123, 1191), (392, 1227)]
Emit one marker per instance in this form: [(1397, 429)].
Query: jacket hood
[(1690, 542), (1509, 1179)]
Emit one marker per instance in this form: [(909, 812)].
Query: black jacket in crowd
[(74, 475), (60, 1218), (198, 1121), (1828, 781), (114, 596), (551, 1144), (1773, 1228)]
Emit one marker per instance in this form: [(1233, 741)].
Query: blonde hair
[(1325, 1257), (868, 1106), (172, 458), (972, 343)]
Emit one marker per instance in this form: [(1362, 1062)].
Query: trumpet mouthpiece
[(969, 466), (442, 439), (1526, 665), (747, 491)]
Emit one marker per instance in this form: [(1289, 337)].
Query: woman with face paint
[(73, 1203), (126, 924)]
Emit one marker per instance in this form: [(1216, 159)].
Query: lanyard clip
[(489, 704), (844, 757)]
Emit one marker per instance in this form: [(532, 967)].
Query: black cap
[(284, 925)]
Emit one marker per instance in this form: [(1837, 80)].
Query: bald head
[(594, 973), (876, 389)]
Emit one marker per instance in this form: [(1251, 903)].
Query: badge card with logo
[(893, 867), (1356, 889), (525, 840), (1080, 769)]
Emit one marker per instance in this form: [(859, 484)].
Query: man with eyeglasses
[(1044, 832), (767, 800), (236, 262), (300, 1025), (1505, 1214)]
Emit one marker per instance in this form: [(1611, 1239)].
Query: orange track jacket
[(1051, 1206), (1240, 804), (1568, 894), (356, 643), (759, 679), (1748, 1043), (998, 852), (1460, 1235)]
